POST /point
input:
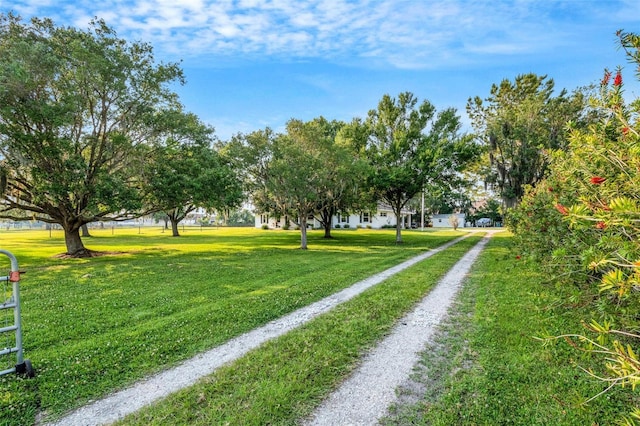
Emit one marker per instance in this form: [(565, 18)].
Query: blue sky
[(250, 64)]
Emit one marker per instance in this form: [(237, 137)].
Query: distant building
[(442, 220), (382, 217)]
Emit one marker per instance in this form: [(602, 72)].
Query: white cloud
[(401, 33)]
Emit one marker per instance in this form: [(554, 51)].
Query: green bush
[(337, 226), (583, 224), (265, 226), (541, 234)]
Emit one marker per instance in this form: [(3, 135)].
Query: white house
[(382, 217), (442, 220)]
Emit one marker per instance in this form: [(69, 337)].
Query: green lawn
[(95, 325), (487, 367), (285, 379)]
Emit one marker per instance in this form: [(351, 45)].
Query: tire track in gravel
[(365, 396), (147, 391)]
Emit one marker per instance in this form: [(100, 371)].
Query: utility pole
[(422, 212)]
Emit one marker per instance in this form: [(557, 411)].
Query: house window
[(344, 218), (264, 218), (383, 214), (364, 217)]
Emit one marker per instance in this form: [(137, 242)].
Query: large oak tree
[(76, 110), (251, 156), (184, 171), (340, 173)]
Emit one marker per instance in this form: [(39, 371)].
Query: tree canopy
[(342, 170), (307, 172), (517, 123), (76, 110), (410, 147), (184, 171)]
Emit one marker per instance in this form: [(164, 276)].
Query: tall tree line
[(91, 131), (320, 168)]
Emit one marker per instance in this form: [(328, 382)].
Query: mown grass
[(95, 325), (283, 380), (487, 367)]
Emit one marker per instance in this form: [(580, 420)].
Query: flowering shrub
[(603, 163), (585, 225), (542, 234)]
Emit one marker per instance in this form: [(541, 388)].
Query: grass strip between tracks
[(486, 367), (285, 379)]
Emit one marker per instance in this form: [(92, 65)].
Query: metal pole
[(422, 212)]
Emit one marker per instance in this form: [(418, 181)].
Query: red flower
[(625, 130), (550, 189), (607, 76), (601, 225), (562, 209), (518, 257), (618, 80), (597, 180)]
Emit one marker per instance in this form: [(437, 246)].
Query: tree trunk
[(75, 247), (327, 230), (303, 232), (398, 233), (325, 217), (174, 227), (398, 224), (510, 202), (85, 230)]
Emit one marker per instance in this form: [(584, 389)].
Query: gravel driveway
[(363, 398)]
